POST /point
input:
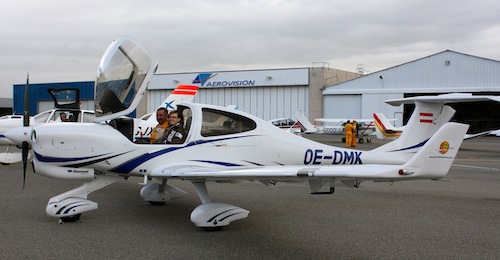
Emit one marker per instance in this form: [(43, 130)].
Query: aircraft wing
[(445, 98), (259, 173), (470, 136)]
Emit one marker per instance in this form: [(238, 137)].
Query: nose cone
[(19, 135)]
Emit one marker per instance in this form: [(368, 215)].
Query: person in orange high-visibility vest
[(348, 133), (354, 133)]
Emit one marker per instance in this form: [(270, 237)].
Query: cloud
[(64, 40)]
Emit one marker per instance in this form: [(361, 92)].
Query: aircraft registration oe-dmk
[(222, 144)]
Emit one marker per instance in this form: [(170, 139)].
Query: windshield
[(43, 117), (66, 98), (121, 74)]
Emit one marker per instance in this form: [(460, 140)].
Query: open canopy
[(123, 74)]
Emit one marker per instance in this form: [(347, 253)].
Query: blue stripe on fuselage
[(133, 163), (412, 147), (218, 163), (42, 158)]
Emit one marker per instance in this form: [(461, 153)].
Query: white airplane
[(222, 144), (334, 126), (385, 130), (66, 101)]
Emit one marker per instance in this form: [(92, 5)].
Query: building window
[(447, 63)]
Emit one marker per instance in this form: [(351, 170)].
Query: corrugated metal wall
[(342, 106), (443, 72), (264, 102)]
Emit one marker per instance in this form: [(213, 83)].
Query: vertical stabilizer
[(384, 129), (426, 119), (434, 159), (305, 125)]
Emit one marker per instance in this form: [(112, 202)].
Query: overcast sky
[(62, 41)]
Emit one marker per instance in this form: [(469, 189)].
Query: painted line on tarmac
[(477, 167)]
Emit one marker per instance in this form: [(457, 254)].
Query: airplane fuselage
[(78, 151)]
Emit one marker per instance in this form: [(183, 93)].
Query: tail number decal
[(338, 157)]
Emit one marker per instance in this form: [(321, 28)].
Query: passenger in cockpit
[(63, 117), (175, 133), (158, 132)]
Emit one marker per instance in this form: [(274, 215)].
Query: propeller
[(26, 122)]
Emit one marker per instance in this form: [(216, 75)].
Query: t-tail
[(426, 119)]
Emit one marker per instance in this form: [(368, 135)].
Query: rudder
[(434, 159)]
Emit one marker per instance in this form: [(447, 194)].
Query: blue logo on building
[(203, 77)]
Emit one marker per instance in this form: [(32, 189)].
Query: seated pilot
[(175, 133), (64, 117)]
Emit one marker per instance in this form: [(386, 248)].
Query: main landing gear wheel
[(74, 218), (343, 139), (361, 140)]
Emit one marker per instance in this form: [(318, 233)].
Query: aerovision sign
[(228, 79)]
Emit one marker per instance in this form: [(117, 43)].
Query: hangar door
[(342, 106), (264, 102)]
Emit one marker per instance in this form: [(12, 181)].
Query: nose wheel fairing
[(75, 202)]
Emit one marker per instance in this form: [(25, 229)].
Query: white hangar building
[(268, 94), (443, 72)]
